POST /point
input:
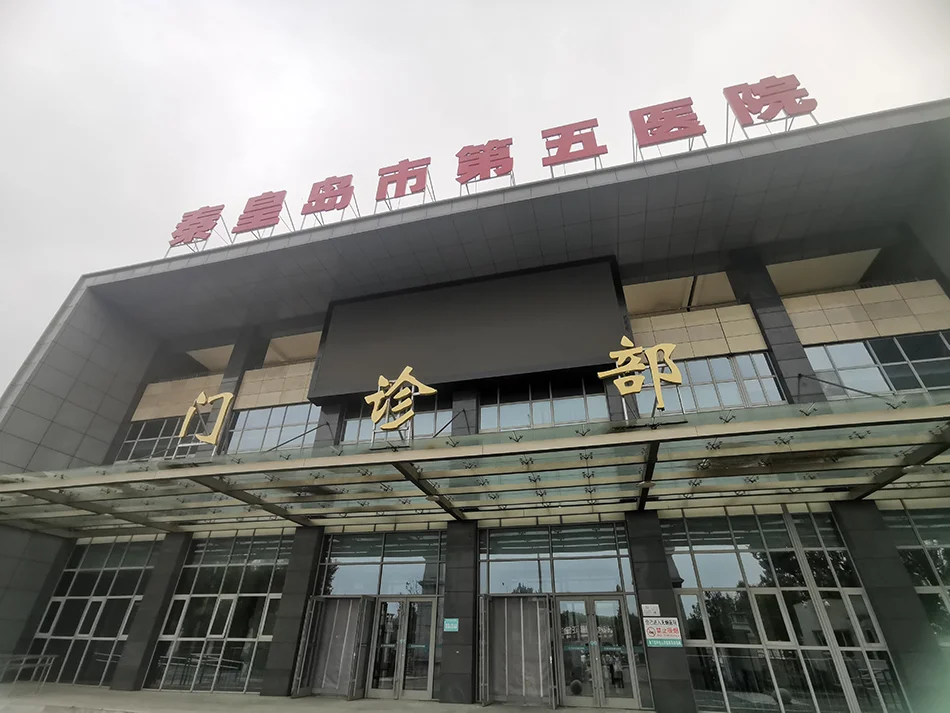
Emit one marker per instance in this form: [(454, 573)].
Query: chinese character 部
[(262, 211), (196, 225), (479, 161), (660, 123), (767, 97), (333, 193), (393, 399), (630, 363), (399, 176), (561, 139)]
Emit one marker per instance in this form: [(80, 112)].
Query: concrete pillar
[(298, 587), (137, 653), (457, 681), (752, 285), (669, 669), (330, 427), (917, 656)]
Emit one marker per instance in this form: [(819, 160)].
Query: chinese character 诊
[(262, 211), (394, 399), (630, 363), (479, 161), (767, 98), (660, 123)]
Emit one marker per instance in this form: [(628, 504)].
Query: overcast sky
[(116, 117)]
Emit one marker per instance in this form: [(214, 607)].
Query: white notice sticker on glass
[(650, 609)]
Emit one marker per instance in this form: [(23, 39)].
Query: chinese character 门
[(630, 363), (660, 123), (767, 98), (205, 401), (394, 399), (479, 161)]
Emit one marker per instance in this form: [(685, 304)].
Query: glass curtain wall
[(283, 428), (221, 619), (433, 416), (88, 618), (923, 538), (911, 363), (774, 617), (542, 402), (157, 439)]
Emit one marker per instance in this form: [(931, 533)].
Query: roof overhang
[(821, 190)]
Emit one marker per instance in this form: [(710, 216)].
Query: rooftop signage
[(772, 99)]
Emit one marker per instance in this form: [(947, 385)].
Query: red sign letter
[(767, 98), (196, 225), (260, 212), (400, 175), (563, 138), (479, 161), (333, 193), (666, 122)]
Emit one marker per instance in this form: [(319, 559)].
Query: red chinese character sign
[(762, 102), (663, 123), (260, 213), (405, 178), (195, 226), (484, 161), (333, 193), (561, 140)]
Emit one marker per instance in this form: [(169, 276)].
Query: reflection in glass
[(719, 569), (730, 618), (840, 620), (235, 662), (612, 645), (804, 618), (787, 569), (938, 615), (820, 568), (575, 648), (692, 617), (704, 675), (861, 681), (197, 617), (387, 636), (748, 683), (208, 665), (792, 682), (351, 579), (771, 614), (758, 572), (887, 682), (414, 578), (683, 563), (519, 577), (824, 681), (418, 650), (587, 575), (865, 621), (844, 568), (919, 569)]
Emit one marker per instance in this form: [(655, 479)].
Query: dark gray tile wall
[(330, 427), (298, 587), (918, 658), (752, 285), (67, 402), (30, 564), (464, 412), (931, 224), (669, 671), (137, 653), (457, 679)]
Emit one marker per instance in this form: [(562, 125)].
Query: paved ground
[(54, 698)]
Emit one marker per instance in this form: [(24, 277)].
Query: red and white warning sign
[(662, 631)]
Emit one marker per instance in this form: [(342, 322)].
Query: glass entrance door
[(403, 649), (595, 654)]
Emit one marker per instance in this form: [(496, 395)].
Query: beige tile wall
[(700, 333), (871, 312), (275, 386), (173, 398)]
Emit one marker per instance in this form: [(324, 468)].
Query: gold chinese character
[(629, 362), (204, 400), (395, 398)]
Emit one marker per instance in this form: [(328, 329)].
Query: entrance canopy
[(794, 453)]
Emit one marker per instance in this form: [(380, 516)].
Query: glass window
[(692, 617), (719, 570), (730, 617), (851, 354), (520, 577)]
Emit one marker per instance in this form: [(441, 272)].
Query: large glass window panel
[(704, 675), (792, 681), (516, 415), (519, 543), (788, 572), (719, 569), (235, 666), (770, 612), (853, 354), (246, 619), (747, 680), (730, 617), (841, 622), (923, 346), (934, 374), (729, 395), (112, 616), (758, 572), (940, 557), (938, 615), (804, 617), (412, 547), (597, 407), (570, 410), (69, 617), (825, 682), (902, 377), (541, 414), (844, 569), (864, 619), (692, 617), (709, 532), (820, 568), (886, 680), (351, 579), (587, 575), (347, 549), (197, 617), (870, 379), (583, 541), (861, 681), (917, 565), (683, 563)]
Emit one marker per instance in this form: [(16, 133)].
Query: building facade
[(410, 456)]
